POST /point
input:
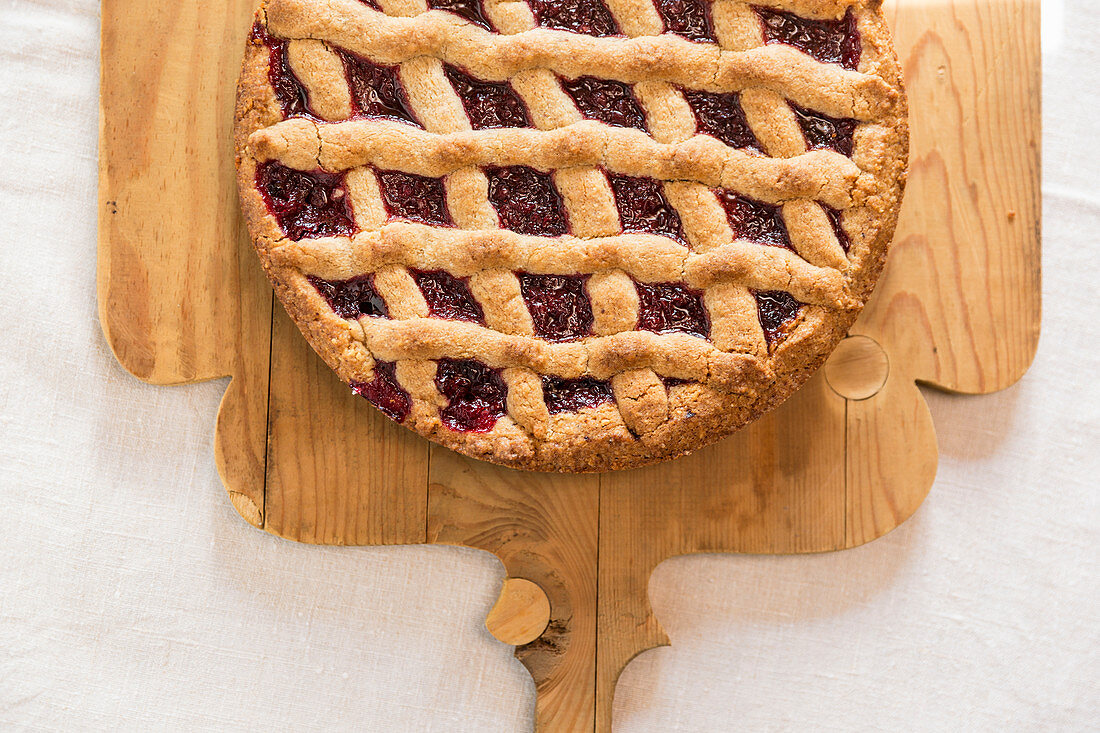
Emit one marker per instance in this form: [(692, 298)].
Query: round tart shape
[(577, 235)]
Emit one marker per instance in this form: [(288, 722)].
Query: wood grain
[(960, 302), (543, 527), (776, 487), (368, 486), (182, 299)]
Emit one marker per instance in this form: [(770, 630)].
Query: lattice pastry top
[(574, 235)]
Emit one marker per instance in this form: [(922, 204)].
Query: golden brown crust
[(734, 378)]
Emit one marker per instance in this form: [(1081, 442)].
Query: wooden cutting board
[(849, 458)]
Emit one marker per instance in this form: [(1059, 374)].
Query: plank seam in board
[(267, 406), (429, 459), (596, 643), (847, 478)]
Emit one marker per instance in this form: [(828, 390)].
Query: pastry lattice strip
[(464, 253), (826, 175), (388, 40)]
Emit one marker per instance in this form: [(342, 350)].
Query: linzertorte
[(578, 235)]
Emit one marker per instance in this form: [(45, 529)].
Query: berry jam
[(488, 104), (573, 395), (828, 41), (413, 197), (475, 393), (777, 312), (607, 101), (668, 307), (589, 17), (721, 116), (838, 230), (448, 297), (754, 220), (826, 133), (384, 392), (351, 298), (292, 96), (372, 4), (559, 305), (376, 91), (688, 18), (527, 201), (643, 207), (306, 205), (671, 382), (471, 10)]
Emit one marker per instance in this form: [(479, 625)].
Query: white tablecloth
[(132, 596)]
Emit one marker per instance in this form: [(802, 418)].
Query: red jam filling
[(527, 201), (475, 394), (826, 133), (559, 305), (643, 207), (589, 17), (828, 41), (838, 228), (688, 18), (351, 298), (372, 4), (778, 311), (488, 104), (384, 392), (471, 10), (754, 220), (721, 116), (413, 197), (306, 205), (607, 101), (376, 91), (668, 307), (448, 297), (574, 395), (671, 382), (289, 91)]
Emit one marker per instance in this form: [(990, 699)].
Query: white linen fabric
[(133, 597)]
